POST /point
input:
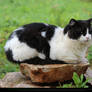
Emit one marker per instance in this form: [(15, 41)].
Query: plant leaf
[(76, 78), (84, 83), (86, 86), (81, 78)]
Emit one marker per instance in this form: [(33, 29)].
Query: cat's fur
[(39, 43)]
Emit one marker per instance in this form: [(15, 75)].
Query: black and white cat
[(40, 43)]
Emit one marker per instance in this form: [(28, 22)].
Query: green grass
[(14, 13)]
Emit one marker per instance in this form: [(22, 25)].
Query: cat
[(41, 43)]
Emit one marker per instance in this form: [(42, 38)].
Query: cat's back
[(31, 30)]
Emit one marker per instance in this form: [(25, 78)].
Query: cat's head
[(80, 30)]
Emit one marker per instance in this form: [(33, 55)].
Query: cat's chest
[(62, 48)]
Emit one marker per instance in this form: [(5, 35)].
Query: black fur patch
[(38, 61), (50, 31), (9, 56)]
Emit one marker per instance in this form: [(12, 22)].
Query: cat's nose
[(87, 38)]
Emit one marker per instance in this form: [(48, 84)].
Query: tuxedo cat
[(40, 43)]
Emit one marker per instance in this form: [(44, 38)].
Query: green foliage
[(65, 86), (78, 82), (14, 13)]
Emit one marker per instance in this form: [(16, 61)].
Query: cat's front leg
[(84, 60)]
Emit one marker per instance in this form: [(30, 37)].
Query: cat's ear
[(72, 22)]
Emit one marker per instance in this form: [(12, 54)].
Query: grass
[(14, 13)]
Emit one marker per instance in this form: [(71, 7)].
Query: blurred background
[(14, 13)]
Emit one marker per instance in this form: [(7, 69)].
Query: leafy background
[(14, 13)]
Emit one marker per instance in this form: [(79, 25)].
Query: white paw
[(42, 56), (84, 60)]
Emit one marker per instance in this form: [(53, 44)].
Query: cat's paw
[(84, 60)]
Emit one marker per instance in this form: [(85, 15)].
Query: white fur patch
[(88, 35), (85, 38), (43, 34), (46, 24), (21, 51), (42, 56)]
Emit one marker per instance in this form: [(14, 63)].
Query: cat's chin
[(80, 41), (84, 42)]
